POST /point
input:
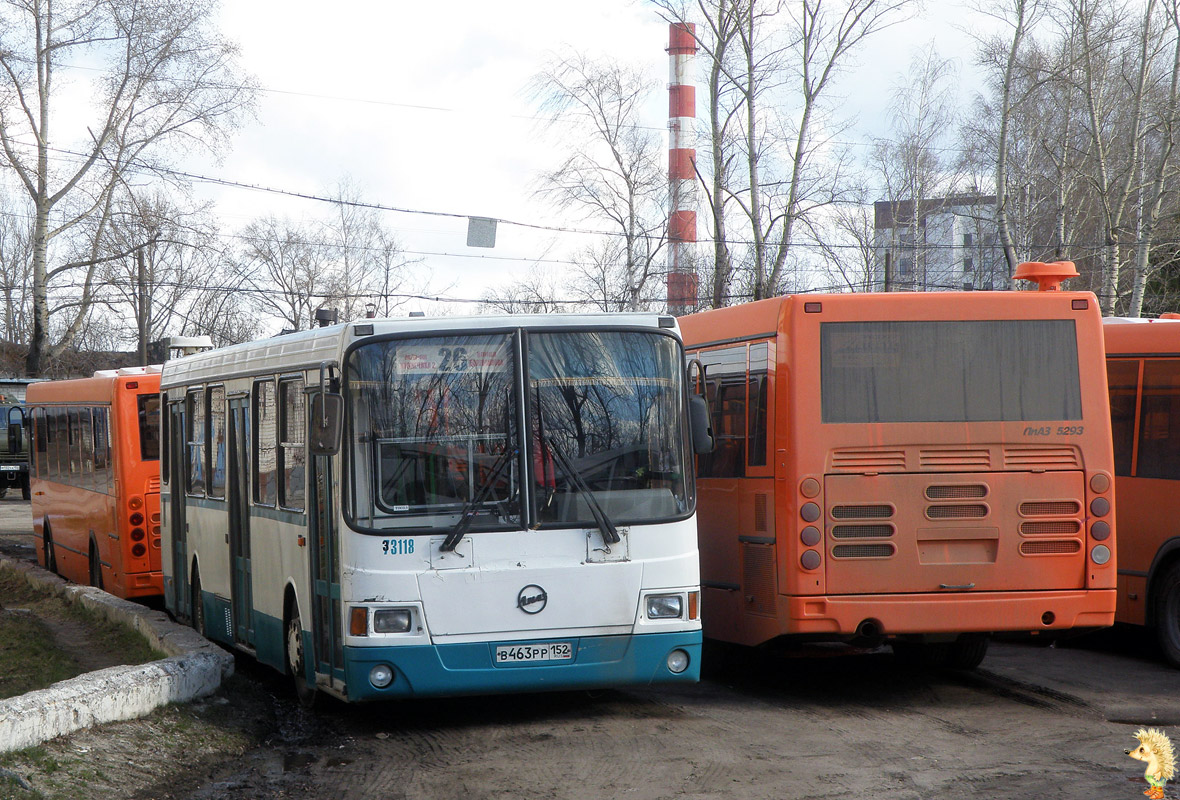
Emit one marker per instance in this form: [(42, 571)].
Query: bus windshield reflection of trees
[(435, 428)]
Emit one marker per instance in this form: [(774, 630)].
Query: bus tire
[(50, 551), (197, 606), (967, 652), (926, 655), (1166, 604), (25, 494), (95, 565), (295, 661)]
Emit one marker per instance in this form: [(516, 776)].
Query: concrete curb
[(195, 667)]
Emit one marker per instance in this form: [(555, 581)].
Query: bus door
[(325, 574), (238, 488), (176, 510)]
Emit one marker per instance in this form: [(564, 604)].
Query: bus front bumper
[(597, 662)]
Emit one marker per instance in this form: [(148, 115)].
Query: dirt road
[(817, 727), (1031, 723)]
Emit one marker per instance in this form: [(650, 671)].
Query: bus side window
[(86, 448), (1123, 378), (215, 446), (264, 443), (41, 439), (102, 449), (1159, 420), (292, 454), (195, 439), (758, 396), (726, 376)]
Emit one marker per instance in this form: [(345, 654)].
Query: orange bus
[(1143, 369), (921, 470), (95, 479)]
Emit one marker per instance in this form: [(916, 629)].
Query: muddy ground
[(824, 723)]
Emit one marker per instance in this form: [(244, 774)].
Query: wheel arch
[(1167, 555)]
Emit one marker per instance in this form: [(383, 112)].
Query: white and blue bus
[(425, 507)]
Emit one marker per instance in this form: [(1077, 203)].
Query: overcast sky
[(424, 106)]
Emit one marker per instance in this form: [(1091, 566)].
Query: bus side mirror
[(16, 433), (698, 419), (327, 416)]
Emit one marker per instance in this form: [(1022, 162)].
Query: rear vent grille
[(153, 485), (974, 491), (862, 512), (1050, 548), (1064, 527), (1050, 508), (758, 579), (865, 460), (1041, 457), (958, 458), (862, 531), (974, 511), (862, 551), (760, 513)]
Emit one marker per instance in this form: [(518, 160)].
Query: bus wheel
[(295, 664), (967, 652), (925, 655), (1166, 595), (50, 552), (197, 607), (95, 566)]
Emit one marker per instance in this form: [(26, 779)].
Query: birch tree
[(166, 82)]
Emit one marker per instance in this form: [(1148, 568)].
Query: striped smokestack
[(682, 221)]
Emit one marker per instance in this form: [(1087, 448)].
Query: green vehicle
[(14, 452)]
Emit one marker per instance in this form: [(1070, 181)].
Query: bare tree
[(368, 266), (911, 164), (772, 66), (287, 269), (173, 260), (1003, 57), (615, 171), (166, 81), (537, 293), (1156, 166)]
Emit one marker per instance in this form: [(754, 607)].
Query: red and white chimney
[(682, 220)]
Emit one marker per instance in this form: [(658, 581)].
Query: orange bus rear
[(95, 479), (1143, 369), (917, 469)]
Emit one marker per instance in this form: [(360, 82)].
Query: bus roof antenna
[(1047, 277)]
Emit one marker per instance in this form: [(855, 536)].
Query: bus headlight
[(381, 675), (677, 661), (664, 606), (392, 620)]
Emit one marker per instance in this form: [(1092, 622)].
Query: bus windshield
[(950, 371), (433, 427), (606, 410)]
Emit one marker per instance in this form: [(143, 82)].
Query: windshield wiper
[(467, 513), (610, 535)]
